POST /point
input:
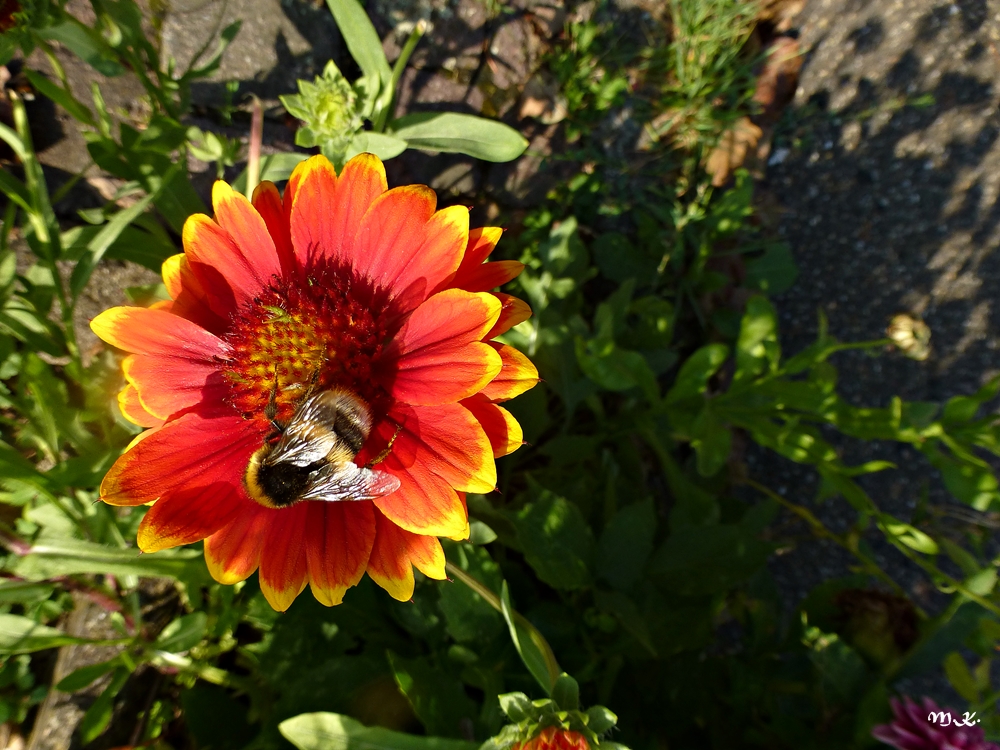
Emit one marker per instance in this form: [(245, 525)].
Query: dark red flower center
[(322, 332)]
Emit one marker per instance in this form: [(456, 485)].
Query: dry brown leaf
[(732, 150)]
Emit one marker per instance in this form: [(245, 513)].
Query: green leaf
[(627, 613), (384, 146), (696, 371), (469, 618), (711, 439), (566, 693), (517, 706), (22, 635), (61, 96), (85, 43), (983, 582), (98, 716), (621, 260), (524, 641), (453, 132), (626, 544), (961, 409), (757, 349), (912, 537), (50, 558), (361, 39), (704, 560), (102, 241), (616, 369), (328, 731), (960, 677), (24, 592), (556, 540), (182, 634), (773, 272), (437, 698), (273, 167), (600, 719), (79, 679)]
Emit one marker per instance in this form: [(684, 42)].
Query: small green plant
[(334, 111)]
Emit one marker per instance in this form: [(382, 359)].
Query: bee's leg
[(385, 451), (271, 410), (313, 380)]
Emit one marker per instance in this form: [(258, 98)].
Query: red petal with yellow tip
[(502, 429), (165, 460), (517, 375), (233, 277), (133, 410), (310, 194), (437, 356), (424, 503), (489, 275), (512, 312), (233, 553), (167, 385), (143, 331), (482, 240), (342, 535), (396, 552), (189, 515), (267, 201), (191, 301), (445, 440), (389, 237), (283, 565)]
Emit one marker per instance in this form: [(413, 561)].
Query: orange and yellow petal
[(445, 440), (238, 217), (490, 275), (143, 331), (267, 201), (396, 552), (231, 275), (438, 356), (403, 245), (167, 385), (482, 240), (325, 210), (516, 376), (283, 563), (424, 503), (190, 300), (512, 312), (189, 515), (503, 431), (233, 552), (339, 544), (133, 410), (193, 450)]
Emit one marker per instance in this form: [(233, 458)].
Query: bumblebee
[(312, 457)]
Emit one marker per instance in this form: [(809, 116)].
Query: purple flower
[(926, 726)]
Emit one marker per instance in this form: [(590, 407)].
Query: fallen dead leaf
[(732, 150)]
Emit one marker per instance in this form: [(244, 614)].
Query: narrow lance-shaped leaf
[(361, 38), (329, 731), (453, 132)]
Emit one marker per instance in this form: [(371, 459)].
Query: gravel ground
[(887, 171)]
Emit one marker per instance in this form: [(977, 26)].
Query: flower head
[(331, 111), (364, 307), (923, 726)]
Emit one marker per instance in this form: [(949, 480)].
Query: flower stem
[(253, 155)]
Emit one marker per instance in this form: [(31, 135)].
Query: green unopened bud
[(330, 113)]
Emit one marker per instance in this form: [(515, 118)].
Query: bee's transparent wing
[(347, 481), (307, 439)]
